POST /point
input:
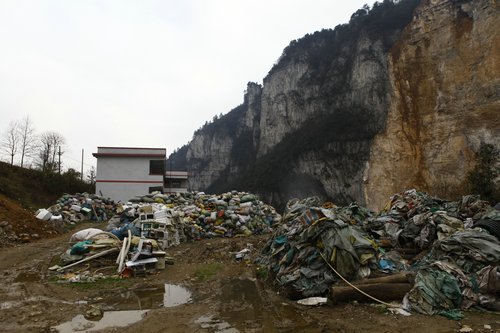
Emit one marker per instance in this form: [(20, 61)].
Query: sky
[(142, 73)]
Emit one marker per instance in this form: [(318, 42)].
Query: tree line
[(21, 143), (25, 147)]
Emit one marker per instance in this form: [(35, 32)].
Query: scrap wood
[(97, 255), (402, 277), (382, 291), (123, 253)]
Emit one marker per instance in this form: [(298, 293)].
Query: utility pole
[(59, 153), (81, 172)]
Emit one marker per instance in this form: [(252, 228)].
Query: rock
[(93, 313), (4, 224), (416, 134), (466, 329), (24, 238)]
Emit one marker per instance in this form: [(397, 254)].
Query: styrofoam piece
[(141, 262), (56, 218), (86, 210), (311, 301), (43, 214)]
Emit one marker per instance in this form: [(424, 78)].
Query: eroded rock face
[(445, 78), (425, 104), (208, 158)]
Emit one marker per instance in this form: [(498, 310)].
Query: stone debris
[(18, 225)]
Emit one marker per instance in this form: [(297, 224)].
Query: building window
[(155, 189), (156, 167)]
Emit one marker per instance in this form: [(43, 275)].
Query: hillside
[(404, 96), (22, 192)]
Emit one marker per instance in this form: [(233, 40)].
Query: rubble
[(70, 209), (172, 219), (440, 255), (141, 230), (18, 225)]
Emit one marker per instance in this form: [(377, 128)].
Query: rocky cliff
[(445, 88), (401, 97)]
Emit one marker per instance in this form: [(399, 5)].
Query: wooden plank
[(383, 291)]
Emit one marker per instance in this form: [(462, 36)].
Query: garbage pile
[(451, 247), (76, 208), (171, 219), (141, 230), (136, 257)]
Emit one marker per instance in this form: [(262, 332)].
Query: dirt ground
[(225, 297)]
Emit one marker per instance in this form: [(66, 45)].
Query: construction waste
[(70, 209), (140, 231), (441, 256), (434, 255), (172, 219)]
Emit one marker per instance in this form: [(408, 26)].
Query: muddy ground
[(205, 290)]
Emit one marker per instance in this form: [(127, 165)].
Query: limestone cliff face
[(445, 86), (207, 156), (357, 114), (210, 155)]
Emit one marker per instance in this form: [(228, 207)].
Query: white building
[(176, 182), (124, 172)]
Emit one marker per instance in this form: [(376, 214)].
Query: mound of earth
[(18, 225)]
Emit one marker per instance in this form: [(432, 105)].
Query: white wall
[(125, 168), (128, 176), (123, 191)]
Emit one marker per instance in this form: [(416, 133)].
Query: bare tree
[(27, 138), (10, 142), (50, 146), (91, 176)]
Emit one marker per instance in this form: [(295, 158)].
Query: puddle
[(109, 319), (243, 310), (175, 295), (155, 297), (242, 305), (128, 307), (215, 325)]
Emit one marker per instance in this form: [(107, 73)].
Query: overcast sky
[(142, 73)]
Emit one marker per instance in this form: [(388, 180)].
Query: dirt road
[(205, 290)]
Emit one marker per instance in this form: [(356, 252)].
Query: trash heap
[(451, 246), (193, 215), (141, 230), (134, 256), (309, 236), (70, 209)]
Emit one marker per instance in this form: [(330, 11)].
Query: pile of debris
[(70, 209), (171, 219), (18, 225), (447, 251), (134, 256), (144, 228)]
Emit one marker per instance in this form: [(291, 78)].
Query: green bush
[(483, 178)]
